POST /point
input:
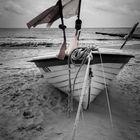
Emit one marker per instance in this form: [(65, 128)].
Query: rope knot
[(81, 55), (63, 27), (78, 24)]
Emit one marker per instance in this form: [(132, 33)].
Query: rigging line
[(71, 90), (70, 97), (81, 98), (82, 63), (78, 36), (82, 111), (83, 118), (89, 87), (107, 94)]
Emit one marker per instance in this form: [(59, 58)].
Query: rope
[(78, 57), (70, 97), (75, 57), (89, 88), (107, 94), (79, 54), (81, 98)]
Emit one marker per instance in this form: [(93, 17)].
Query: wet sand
[(30, 109)]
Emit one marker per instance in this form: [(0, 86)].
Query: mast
[(62, 26), (78, 22), (61, 54)]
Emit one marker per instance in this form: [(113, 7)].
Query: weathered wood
[(56, 72), (110, 57), (135, 36), (58, 77)]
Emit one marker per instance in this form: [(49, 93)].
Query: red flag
[(61, 54), (72, 46)]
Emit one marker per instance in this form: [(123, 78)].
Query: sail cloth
[(50, 15)]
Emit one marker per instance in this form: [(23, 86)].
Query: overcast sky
[(94, 13)]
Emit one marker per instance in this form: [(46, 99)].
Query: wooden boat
[(104, 65), (91, 73), (56, 72)]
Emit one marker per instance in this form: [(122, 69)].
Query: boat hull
[(102, 76), (56, 73)]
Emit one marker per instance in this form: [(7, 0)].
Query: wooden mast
[(61, 54)]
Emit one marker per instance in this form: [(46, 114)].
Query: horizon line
[(66, 28)]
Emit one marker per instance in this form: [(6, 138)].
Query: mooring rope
[(106, 90), (70, 94), (81, 98), (78, 57), (82, 56)]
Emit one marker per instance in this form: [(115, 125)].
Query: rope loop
[(81, 54), (63, 27), (78, 57)]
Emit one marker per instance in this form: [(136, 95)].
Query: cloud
[(13, 7), (18, 12), (124, 7)]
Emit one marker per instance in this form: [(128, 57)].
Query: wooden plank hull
[(56, 72), (59, 78)]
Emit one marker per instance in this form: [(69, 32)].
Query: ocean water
[(55, 36)]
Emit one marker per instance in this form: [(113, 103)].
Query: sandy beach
[(31, 109)]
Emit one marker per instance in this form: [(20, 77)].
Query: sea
[(51, 37)]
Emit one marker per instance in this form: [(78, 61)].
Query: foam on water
[(54, 35)]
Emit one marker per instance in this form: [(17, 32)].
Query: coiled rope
[(81, 97), (78, 57)]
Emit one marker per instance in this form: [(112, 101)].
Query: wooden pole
[(130, 34), (61, 54)]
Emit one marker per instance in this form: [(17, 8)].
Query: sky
[(94, 13)]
